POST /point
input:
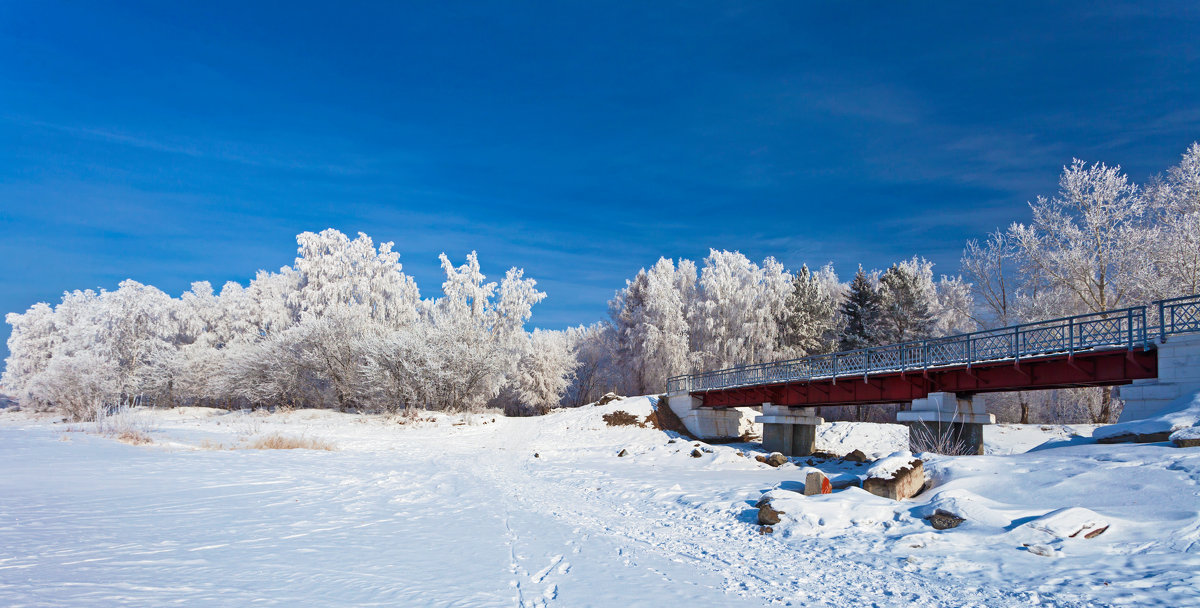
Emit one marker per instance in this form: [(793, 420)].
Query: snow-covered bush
[(79, 384), (343, 327)]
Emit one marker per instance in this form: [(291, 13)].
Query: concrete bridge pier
[(1178, 377), (791, 431), (943, 422)]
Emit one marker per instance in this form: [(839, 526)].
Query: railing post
[(1130, 322), (1016, 343), (1162, 322), (866, 364), (1071, 337)]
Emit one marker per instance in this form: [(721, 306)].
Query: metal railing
[(1124, 328)]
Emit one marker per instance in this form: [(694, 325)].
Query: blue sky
[(173, 143)]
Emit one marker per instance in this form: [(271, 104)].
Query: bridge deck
[(1101, 349), (1092, 368)]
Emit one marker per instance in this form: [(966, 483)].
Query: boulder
[(697, 453), (817, 483), (622, 453), (761, 458), (896, 477), (944, 520), (856, 456), (776, 459), (768, 516)]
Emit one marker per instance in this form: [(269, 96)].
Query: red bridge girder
[(1093, 368)]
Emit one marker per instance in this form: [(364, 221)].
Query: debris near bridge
[(767, 515), (897, 477), (944, 520), (775, 459)]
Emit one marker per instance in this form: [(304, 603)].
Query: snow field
[(458, 511)]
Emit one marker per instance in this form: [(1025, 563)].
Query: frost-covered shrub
[(124, 422), (80, 385)]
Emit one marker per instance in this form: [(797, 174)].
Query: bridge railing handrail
[(1124, 327)]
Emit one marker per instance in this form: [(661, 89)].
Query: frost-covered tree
[(1091, 239), (651, 323), (342, 328), (861, 311), (952, 309), (80, 384), (478, 333), (594, 348), (990, 267), (545, 372), (333, 271), (135, 328), (1089, 246), (739, 309), (31, 347), (1174, 201)]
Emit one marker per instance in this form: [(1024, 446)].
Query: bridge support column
[(789, 431), (946, 422)]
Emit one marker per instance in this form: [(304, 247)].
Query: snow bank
[(1181, 414), (1191, 432), (886, 468), (543, 511), (874, 440)]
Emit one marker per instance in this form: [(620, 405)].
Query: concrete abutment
[(1178, 377)]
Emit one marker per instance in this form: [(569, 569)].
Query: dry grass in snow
[(134, 437), (283, 442)]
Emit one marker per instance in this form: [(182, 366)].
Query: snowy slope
[(493, 511)]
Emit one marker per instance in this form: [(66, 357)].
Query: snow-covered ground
[(494, 511)]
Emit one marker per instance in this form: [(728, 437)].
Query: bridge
[(941, 376)]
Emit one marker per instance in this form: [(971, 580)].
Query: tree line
[(344, 327)]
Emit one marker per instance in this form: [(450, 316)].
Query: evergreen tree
[(908, 302), (809, 324), (862, 309)]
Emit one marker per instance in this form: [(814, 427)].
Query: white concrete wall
[(947, 408), (1178, 376), (704, 422)]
